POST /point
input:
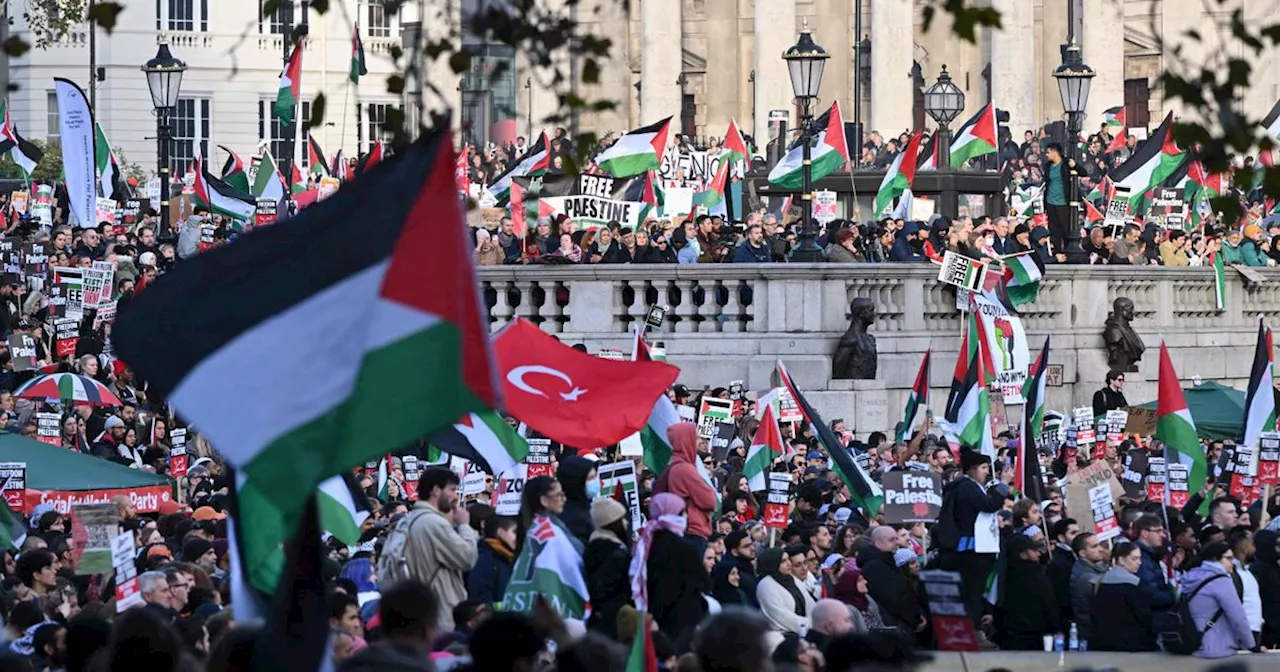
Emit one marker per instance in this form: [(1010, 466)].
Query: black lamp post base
[(807, 252)]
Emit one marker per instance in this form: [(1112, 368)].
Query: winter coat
[(1107, 399), (1121, 614), (1230, 633), (890, 589), (606, 562), (839, 254), (436, 553), (1253, 254), (903, 250), (779, 605), (1084, 575), (969, 501), (576, 516), (1152, 581), (681, 478), (1029, 611), (1061, 562), (1233, 254), (677, 581), (1266, 569), (746, 253), (487, 580)]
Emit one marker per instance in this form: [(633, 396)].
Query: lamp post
[(943, 102), (805, 61), (1074, 79), (164, 80)]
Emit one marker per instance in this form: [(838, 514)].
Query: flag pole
[(346, 108)]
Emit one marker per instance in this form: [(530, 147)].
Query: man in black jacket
[(1061, 560), (1110, 397), (574, 474), (970, 497), (887, 586), (1027, 611)]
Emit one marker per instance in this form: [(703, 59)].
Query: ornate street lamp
[(943, 102), (164, 80), (1074, 80), (805, 62)]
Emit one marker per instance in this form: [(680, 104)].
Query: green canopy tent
[(1218, 410), (54, 468)]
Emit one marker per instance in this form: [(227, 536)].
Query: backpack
[(393, 563), (1178, 633)]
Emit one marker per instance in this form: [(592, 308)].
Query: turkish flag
[(571, 397)]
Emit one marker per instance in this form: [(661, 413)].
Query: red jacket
[(681, 478)]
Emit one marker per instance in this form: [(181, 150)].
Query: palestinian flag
[(222, 198), (1200, 188), (376, 276), (917, 403), (766, 446), (290, 87), (1219, 281), (1271, 123), (343, 508), (358, 66), (550, 566), (1260, 401), (735, 147), (1092, 214), (968, 406), (1151, 163), (535, 161), (643, 657), (926, 158), (1022, 275), (897, 181), (828, 154), (107, 167), (637, 151), (371, 159), (13, 528), (338, 167), (1028, 479), (21, 151), (296, 635), (233, 172), (384, 478), (977, 137), (1114, 117), (1117, 142), (866, 492), (316, 157), (268, 184), (484, 438), (713, 195), (297, 185), (657, 447), (1175, 427), (652, 195)]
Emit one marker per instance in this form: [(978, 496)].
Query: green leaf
[(590, 71), (321, 6), (317, 111), (395, 84), (15, 46), (104, 14), (459, 62), (928, 14)]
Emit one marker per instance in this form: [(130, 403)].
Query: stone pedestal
[(892, 46), (660, 60), (1013, 76), (775, 31), (1105, 54)]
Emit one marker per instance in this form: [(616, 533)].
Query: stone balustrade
[(734, 321)]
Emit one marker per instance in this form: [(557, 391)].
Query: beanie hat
[(193, 549), (903, 557), (971, 458), (605, 510)]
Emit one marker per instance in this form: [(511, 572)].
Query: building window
[(53, 128), (182, 15), (375, 118), (379, 24), (269, 130), (190, 133), (288, 13)]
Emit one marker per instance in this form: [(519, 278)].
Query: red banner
[(147, 499)]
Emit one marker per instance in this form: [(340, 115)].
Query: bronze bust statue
[(1124, 345), (856, 353)]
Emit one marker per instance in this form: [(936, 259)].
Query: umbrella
[(69, 387)]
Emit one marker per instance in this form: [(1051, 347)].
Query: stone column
[(1174, 26), (775, 28), (1013, 77), (1104, 52), (892, 50), (660, 61), (440, 19)]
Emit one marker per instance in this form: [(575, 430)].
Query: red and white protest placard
[(779, 498)]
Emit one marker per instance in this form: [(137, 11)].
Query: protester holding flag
[(969, 496), (681, 478)]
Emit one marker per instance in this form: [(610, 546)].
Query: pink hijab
[(664, 514)]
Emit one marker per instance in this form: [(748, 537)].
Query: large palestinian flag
[(828, 153), (917, 403), (290, 86), (333, 337), (1152, 162), (222, 198), (534, 162), (316, 157), (1175, 427), (268, 183), (637, 151), (977, 137), (233, 171)]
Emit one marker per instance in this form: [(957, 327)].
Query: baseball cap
[(208, 513), (814, 455)]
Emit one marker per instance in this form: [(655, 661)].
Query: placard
[(93, 527), (128, 594), (66, 335), (725, 432), (15, 484), (824, 206), (1176, 476), (508, 490), (35, 259), (735, 389), (49, 428), (11, 255), (952, 626), (1244, 485), (1082, 418), (1155, 479), (911, 496), (1141, 421), (778, 500), (687, 413), (22, 350), (1117, 210), (328, 187), (1105, 524), (266, 212), (713, 411), (1116, 420), (653, 319), (615, 355), (1083, 480), (412, 473), (178, 458), (207, 229), (1269, 458), (538, 458), (788, 409), (1135, 463), (1167, 209), (18, 201), (472, 480), (106, 211), (961, 271), (72, 282), (618, 480)]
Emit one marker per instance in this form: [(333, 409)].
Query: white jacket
[(778, 605), (1252, 598)]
